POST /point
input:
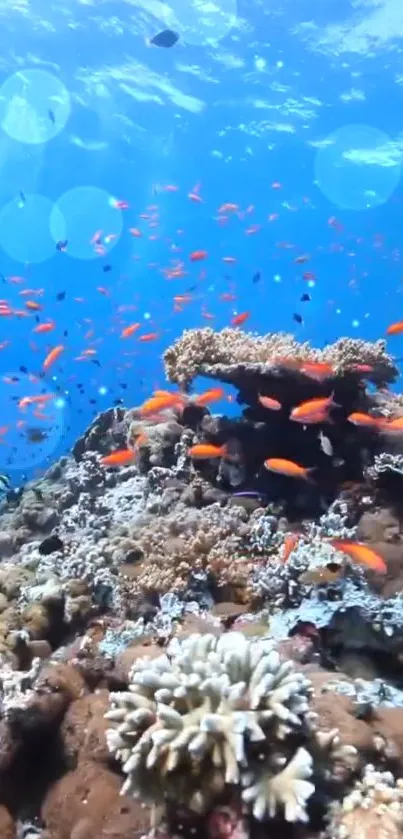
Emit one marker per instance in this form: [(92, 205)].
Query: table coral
[(231, 353)]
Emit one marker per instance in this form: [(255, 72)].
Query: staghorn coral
[(373, 810), (214, 712), (231, 353)]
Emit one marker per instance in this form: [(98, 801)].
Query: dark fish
[(297, 318), (35, 435), (61, 295), (166, 38), (51, 116), (50, 545), (107, 268), (22, 196), (23, 369), (305, 298), (62, 245), (256, 277)]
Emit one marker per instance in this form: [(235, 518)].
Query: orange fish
[(33, 305), (395, 328), (238, 320), (360, 553), (270, 403), (149, 336), (161, 403), (44, 327), (391, 425), (288, 468), (364, 420), (52, 356), (135, 232), (198, 256), (209, 396), (316, 370), (130, 330), (290, 543), (119, 458), (206, 451), (312, 408)]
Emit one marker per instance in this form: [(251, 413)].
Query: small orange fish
[(312, 408), (270, 403), (33, 305), (238, 320), (207, 451), (290, 543), (361, 553), (394, 425), (135, 232), (130, 330), (198, 256), (149, 336), (288, 468), (395, 328), (161, 403), (52, 356), (364, 420), (122, 457), (44, 327), (317, 370), (209, 396)]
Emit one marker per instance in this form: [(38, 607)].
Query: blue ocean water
[(118, 159)]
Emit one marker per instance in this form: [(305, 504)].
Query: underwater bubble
[(358, 167), (25, 233), (34, 106), (200, 21), (89, 220), (35, 431)]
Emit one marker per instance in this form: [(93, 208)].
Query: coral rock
[(86, 804), (83, 729), (7, 824)]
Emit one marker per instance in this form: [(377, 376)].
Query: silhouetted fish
[(166, 38)]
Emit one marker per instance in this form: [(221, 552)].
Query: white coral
[(200, 709)]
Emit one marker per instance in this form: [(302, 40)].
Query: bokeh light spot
[(34, 431), (34, 106), (25, 233), (88, 218), (358, 167)]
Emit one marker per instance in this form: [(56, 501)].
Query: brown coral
[(212, 539)]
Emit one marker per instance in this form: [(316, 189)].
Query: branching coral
[(231, 353), (215, 712), (185, 541)]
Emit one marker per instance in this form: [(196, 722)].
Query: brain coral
[(231, 353), (211, 712)]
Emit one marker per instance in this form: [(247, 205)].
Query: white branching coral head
[(211, 712)]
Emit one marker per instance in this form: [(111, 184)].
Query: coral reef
[(188, 643)]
